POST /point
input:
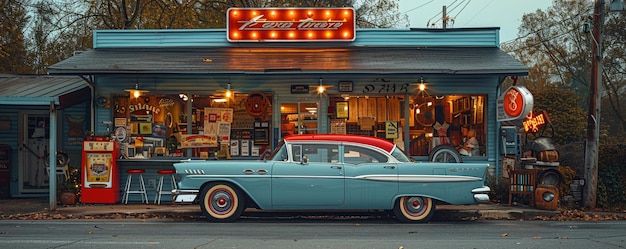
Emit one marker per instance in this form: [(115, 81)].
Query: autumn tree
[(58, 28), (557, 43), (614, 73), (14, 57), (187, 14)]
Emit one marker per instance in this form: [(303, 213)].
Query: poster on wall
[(234, 147), (245, 147), (218, 122), (223, 132), (198, 141)]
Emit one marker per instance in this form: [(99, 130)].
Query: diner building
[(234, 93)]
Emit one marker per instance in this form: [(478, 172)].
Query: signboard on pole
[(515, 103)]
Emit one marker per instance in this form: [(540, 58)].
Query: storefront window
[(454, 120), (212, 127), (433, 120)]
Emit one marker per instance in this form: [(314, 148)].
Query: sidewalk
[(39, 208)]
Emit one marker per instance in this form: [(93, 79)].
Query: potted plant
[(89, 135), (70, 188)]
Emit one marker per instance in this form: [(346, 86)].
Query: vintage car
[(330, 172)]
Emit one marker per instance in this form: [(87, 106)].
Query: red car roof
[(373, 141)]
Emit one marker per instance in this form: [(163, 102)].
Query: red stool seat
[(135, 171), (166, 171)]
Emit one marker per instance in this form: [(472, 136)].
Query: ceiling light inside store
[(311, 109), (219, 100)]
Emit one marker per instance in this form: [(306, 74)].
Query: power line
[(481, 10), (532, 32), (457, 14), (440, 12), (417, 7)]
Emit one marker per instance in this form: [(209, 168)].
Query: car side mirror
[(305, 160)]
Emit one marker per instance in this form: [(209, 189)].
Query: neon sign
[(534, 122), (290, 24)]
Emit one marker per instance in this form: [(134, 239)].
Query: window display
[(433, 120), (161, 125)]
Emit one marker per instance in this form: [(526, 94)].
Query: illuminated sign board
[(534, 122), (515, 103), (290, 24)]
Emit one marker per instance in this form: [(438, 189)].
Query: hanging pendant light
[(136, 92), (228, 94), (224, 95)]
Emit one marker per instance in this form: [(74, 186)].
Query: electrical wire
[(532, 32), (440, 12), (457, 14), (417, 7), (453, 7), (481, 10)]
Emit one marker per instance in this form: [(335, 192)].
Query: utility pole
[(444, 18), (593, 118)]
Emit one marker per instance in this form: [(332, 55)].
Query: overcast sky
[(506, 14)]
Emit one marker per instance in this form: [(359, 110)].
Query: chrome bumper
[(480, 194), (184, 196)]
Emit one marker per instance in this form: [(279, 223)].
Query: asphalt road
[(310, 233)]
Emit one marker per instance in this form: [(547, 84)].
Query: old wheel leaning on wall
[(444, 153)]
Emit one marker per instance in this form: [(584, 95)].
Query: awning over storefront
[(296, 60), (64, 91)]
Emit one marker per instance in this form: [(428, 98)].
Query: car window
[(398, 154), (318, 153), (280, 154), (358, 155)]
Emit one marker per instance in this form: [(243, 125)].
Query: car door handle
[(336, 167), (389, 167)]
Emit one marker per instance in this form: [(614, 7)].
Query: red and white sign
[(515, 103), (290, 24)]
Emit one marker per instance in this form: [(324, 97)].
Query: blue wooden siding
[(476, 37)]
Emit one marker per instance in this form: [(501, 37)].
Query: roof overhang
[(293, 60), (64, 91)]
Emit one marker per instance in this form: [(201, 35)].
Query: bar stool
[(159, 188), (142, 185)]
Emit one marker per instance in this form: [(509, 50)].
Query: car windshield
[(399, 155), (280, 153)]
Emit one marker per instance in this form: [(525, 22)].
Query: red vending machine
[(100, 174)]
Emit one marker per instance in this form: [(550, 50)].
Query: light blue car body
[(289, 181)]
